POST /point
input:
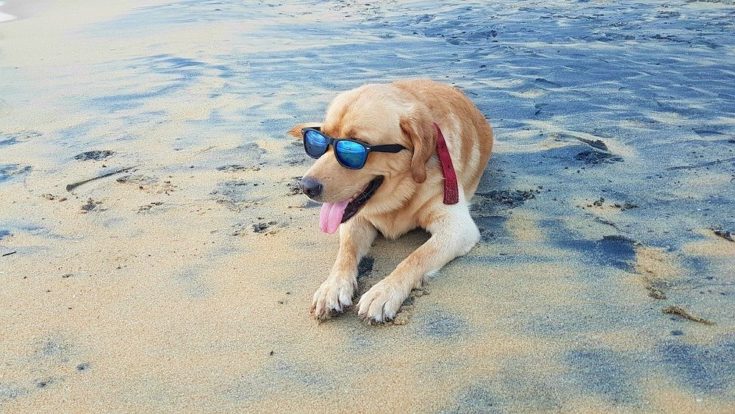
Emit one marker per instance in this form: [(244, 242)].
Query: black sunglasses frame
[(391, 148)]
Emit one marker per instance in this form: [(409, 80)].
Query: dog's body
[(412, 192)]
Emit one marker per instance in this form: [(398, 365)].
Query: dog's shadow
[(385, 255)]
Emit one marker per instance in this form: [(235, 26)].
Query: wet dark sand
[(181, 279)]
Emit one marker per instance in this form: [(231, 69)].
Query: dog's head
[(376, 115)]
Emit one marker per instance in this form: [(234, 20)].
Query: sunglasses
[(350, 153)]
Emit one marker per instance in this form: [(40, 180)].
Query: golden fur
[(411, 195)]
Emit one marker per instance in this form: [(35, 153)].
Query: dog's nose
[(311, 187)]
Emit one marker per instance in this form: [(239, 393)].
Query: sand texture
[(180, 280)]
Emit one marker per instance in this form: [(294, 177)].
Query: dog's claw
[(380, 304), (333, 297)]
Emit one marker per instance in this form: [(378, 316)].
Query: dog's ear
[(421, 132), (296, 130)]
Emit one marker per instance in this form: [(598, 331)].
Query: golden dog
[(396, 192)]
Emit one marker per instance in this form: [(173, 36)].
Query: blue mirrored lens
[(315, 143), (351, 154)]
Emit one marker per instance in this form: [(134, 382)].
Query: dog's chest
[(392, 226)]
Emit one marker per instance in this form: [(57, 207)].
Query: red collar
[(451, 190)]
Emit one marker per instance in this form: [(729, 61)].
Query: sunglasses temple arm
[(388, 148)]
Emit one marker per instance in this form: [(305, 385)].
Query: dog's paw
[(380, 303), (332, 297)]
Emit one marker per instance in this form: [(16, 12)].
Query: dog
[(413, 127)]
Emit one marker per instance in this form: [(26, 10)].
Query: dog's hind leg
[(453, 233), (335, 294)]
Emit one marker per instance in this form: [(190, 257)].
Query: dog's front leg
[(453, 233), (335, 294)]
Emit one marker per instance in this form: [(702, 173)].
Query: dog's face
[(376, 115)]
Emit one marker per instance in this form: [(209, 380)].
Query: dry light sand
[(181, 282)]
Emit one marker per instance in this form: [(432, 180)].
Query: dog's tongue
[(331, 216)]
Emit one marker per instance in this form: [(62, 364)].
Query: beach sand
[(181, 281)]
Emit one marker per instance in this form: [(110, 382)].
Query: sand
[(181, 280)]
